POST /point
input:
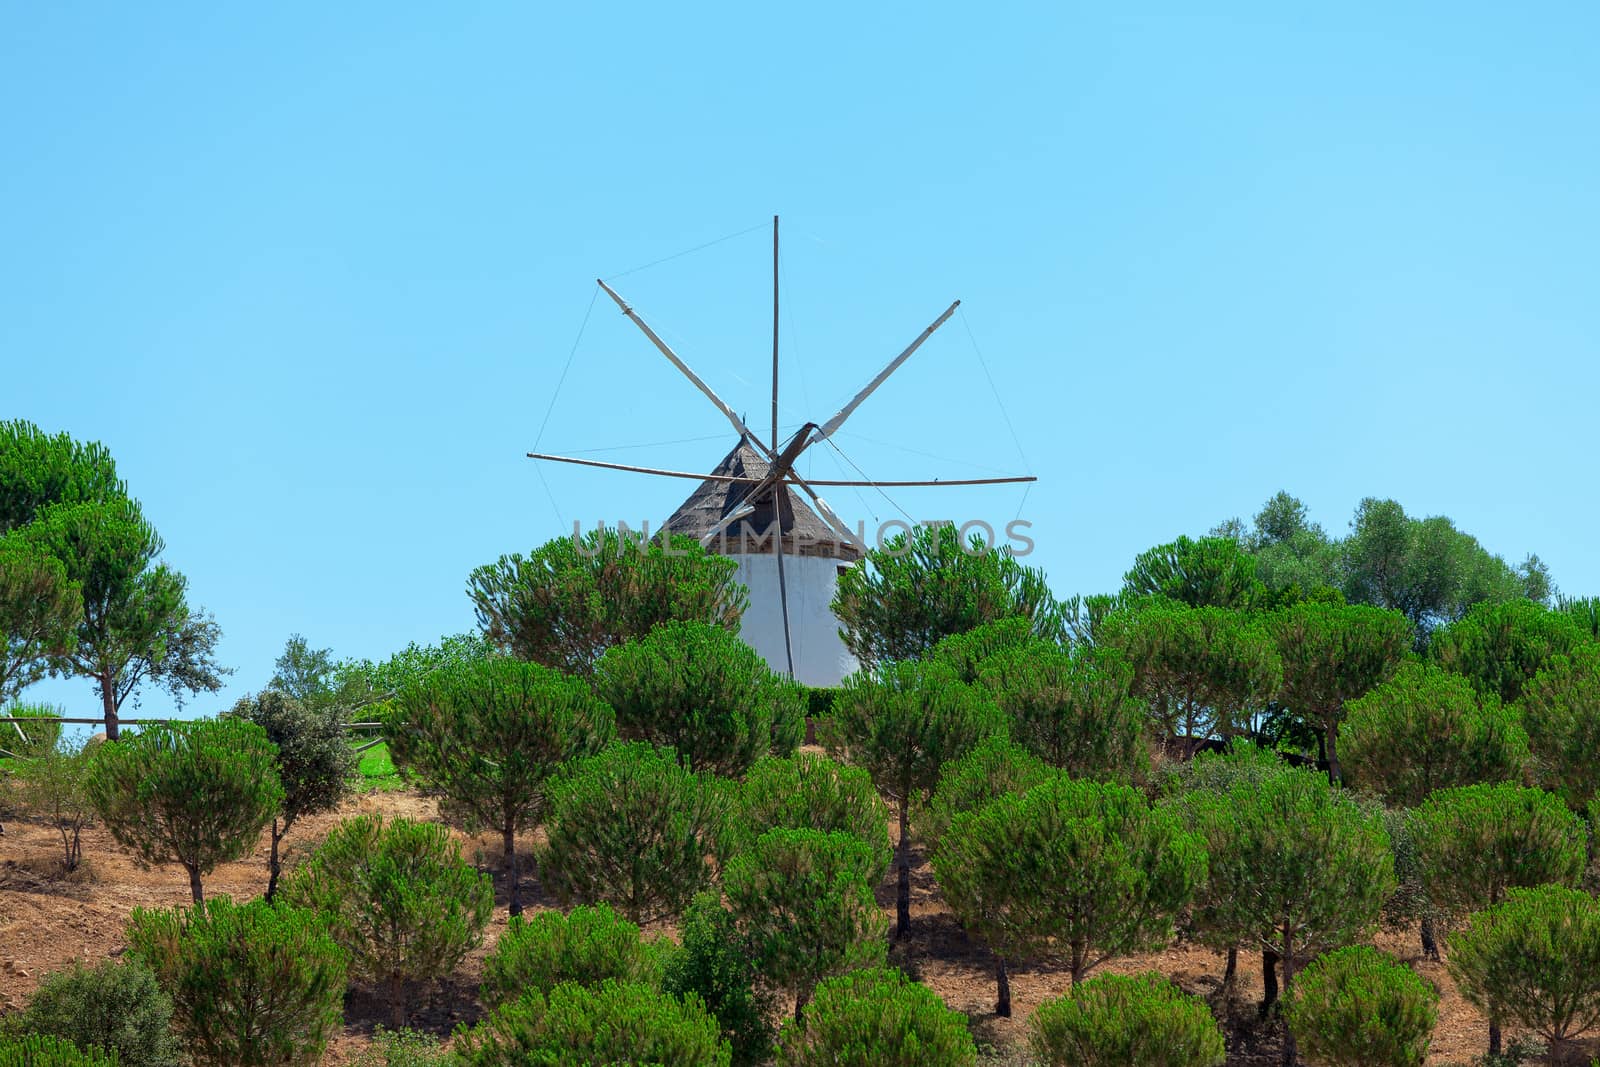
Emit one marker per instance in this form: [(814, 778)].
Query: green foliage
[(404, 1048), (377, 772), (1357, 1007), (313, 678), (1073, 708), (1534, 959), (1213, 572), (1116, 1020), (1585, 611), (489, 733), (917, 590), (634, 828), (39, 469), (995, 767), (1293, 554), (194, 793), (714, 962), (38, 734), (1332, 654), (1201, 670), (40, 609), (569, 601), (877, 1017), (1424, 568), (398, 898), (1499, 647), (1426, 729), (803, 898), (1086, 867), (1561, 712), (614, 1024), (808, 791), (965, 653), (252, 984), (116, 1006), (1242, 762), (1476, 842), (701, 691), (585, 947), (364, 682), (1297, 867), (38, 1050), (51, 788), (314, 759)]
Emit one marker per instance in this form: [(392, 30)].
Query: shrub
[(1476, 842), (39, 734), (116, 1006), (877, 1018), (716, 964), (699, 690), (1425, 729), (994, 768), (1534, 959), (1073, 708), (488, 733), (192, 793), (809, 792), (252, 984), (315, 761), (803, 899), (1116, 1020), (404, 1048), (902, 724), (37, 1050), (634, 828), (617, 1023), (1087, 867), (1358, 1008), (399, 899), (50, 787), (585, 948)]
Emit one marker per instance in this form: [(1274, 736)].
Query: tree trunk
[(273, 867), (800, 1001), (1288, 990), (397, 1001), (1080, 952), (1269, 982), (1002, 983), (1333, 753), (194, 887), (108, 705), (902, 896), (1230, 973), (1430, 940), (513, 875), (1494, 1036)]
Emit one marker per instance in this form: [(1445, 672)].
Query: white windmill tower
[(789, 553)]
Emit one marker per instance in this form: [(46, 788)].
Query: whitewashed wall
[(820, 658)]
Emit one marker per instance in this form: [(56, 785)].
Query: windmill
[(789, 553)]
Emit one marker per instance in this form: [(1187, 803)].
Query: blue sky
[(313, 271)]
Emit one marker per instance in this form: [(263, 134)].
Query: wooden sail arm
[(699, 383), (827, 429), (791, 479)]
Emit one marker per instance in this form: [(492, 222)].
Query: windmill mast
[(780, 492)]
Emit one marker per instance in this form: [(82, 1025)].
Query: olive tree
[(917, 589), (193, 793), (398, 899), (1561, 712), (1426, 729), (902, 723), (1074, 708), (572, 598), (1534, 959), (1303, 868), (804, 900), (701, 691), (1332, 654), (488, 733), (633, 828), (1087, 867), (314, 762)]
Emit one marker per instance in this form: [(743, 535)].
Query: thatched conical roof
[(804, 531)]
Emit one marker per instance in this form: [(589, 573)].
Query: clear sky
[(313, 272)]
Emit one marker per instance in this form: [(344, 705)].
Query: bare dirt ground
[(47, 922)]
